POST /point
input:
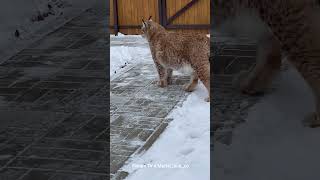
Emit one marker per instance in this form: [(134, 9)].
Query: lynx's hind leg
[(268, 64), (169, 76), (313, 119), (193, 82), (203, 72)]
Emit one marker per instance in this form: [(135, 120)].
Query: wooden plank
[(131, 12), (111, 19), (188, 26), (160, 11), (115, 16), (181, 11)]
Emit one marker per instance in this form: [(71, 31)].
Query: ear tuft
[(143, 23)]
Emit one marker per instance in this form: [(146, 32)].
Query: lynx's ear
[(150, 18), (143, 23)]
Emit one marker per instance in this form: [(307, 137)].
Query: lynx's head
[(149, 28)]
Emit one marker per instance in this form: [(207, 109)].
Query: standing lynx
[(294, 31), (178, 51)]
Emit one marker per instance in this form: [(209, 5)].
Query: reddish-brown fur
[(175, 51)]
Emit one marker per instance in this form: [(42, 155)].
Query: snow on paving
[(124, 56), (273, 143), (183, 150), (31, 20)]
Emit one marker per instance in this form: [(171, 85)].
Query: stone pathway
[(230, 107), (138, 112), (54, 104)]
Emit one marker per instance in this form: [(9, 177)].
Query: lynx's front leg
[(203, 72), (169, 76), (268, 64), (313, 119), (163, 75), (193, 83)]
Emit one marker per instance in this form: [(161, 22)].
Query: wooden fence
[(178, 15)]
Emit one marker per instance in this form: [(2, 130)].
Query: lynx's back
[(184, 48)]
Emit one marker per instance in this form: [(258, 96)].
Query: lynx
[(293, 32), (178, 51)]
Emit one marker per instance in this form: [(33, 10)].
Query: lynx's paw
[(189, 87), (162, 83), (312, 120), (247, 85), (169, 81)]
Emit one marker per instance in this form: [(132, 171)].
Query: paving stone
[(117, 162), (71, 144), (92, 129), (138, 110), (69, 126), (25, 83), (37, 174), (11, 173), (56, 164), (12, 91), (121, 175), (101, 65), (77, 64), (78, 176), (72, 154), (53, 109), (230, 106), (10, 149), (31, 119), (13, 132), (60, 85), (32, 95)]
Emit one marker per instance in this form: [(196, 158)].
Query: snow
[(123, 57), (126, 51), (273, 143), (33, 19), (183, 150), (124, 54)]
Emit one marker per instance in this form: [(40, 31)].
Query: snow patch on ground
[(33, 19), (123, 56), (185, 143), (273, 143)]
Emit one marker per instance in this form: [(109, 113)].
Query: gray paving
[(54, 104), (230, 107), (138, 112)]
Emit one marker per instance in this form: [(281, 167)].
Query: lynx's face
[(146, 28), (149, 27)]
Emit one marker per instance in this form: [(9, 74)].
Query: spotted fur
[(294, 32), (178, 51)]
